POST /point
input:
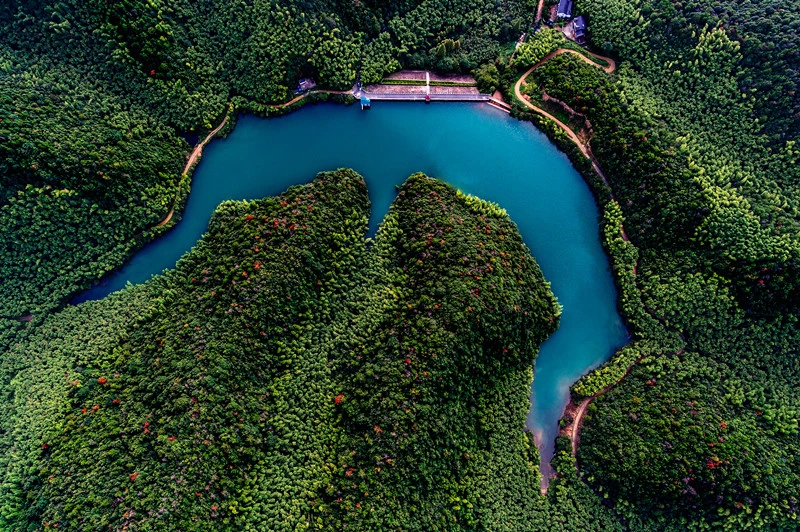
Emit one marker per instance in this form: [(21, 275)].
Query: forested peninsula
[(288, 374), (285, 375)]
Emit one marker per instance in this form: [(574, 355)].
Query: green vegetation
[(433, 83), (94, 97), (487, 78), (79, 181), (284, 375), (544, 42), (681, 442), (653, 35), (695, 133), (455, 307)]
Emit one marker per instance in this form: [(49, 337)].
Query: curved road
[(584, 147), (576, 424), (571, 134), (574, 432), (578, 418), (198, 150)]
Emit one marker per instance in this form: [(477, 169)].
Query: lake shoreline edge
[(645, 331), (602, 195)]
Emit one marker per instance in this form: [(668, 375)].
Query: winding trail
[(583, 146), (198, 150), (167, 218), (611, 67), (608, 69), (539, 10), (573, 430), (575, 433), (571, 134)]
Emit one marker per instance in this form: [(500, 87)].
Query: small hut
[(564, 9), (365, 104), (580, 29), (305, 84)]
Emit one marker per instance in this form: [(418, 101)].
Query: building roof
[(580, 23), (564, 8), (305, 84)]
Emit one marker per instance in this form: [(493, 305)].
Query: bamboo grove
[(701, 162), (288, 376)]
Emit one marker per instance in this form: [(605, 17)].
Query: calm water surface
[(474, 147)]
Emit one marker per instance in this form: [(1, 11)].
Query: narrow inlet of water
[(476, 148)]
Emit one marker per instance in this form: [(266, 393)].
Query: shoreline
[(193, 158)]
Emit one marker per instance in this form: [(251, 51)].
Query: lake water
[(474, 147)]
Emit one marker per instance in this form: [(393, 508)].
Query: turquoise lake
[(472, 146)]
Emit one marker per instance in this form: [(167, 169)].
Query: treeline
[(286, 376), (95, 97), (705, 184)]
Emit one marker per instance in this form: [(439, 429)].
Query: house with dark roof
[(305, 84), (564, 9), (579, 25)]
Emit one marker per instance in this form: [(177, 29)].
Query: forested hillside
[(696, 133), (766, 33), (286, 376), (94, 98)]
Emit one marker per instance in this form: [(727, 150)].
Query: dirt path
[(298, 98), (584, 147), (539, 11), (571, 134), (576, 424), (198, 150), (611, 67), (573, 431), (167, 218)]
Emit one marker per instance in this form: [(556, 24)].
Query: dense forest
[(696, 133), (288, 376), (95, 97)]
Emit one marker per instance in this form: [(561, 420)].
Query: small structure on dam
[(425, 86)]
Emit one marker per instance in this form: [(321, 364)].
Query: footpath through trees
[(576, 413)]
